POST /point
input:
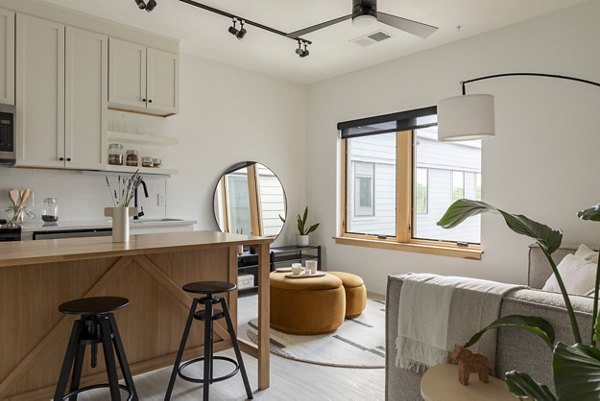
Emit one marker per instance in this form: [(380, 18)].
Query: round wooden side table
[(440, 383)]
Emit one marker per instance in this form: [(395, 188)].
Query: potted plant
[(576, 368), (303, 231)]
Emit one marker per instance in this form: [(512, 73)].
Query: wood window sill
[(426, 247)]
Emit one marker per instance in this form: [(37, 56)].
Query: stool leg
[(184, 337), (118, 344), (109, 358), (61, 386), (76, 377), (208, 322), (236, 347)]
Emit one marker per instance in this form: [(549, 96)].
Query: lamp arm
[(526, 74)]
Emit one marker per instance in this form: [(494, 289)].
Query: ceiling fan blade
[(318, 26), (406, 25)]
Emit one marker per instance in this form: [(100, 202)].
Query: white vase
[(301, 240), (120, 222)]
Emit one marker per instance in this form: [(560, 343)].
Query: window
[(398, 180), (458, 185), (421, 195), (371, 197), (364, 174)]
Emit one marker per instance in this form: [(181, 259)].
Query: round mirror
[(249, 199)]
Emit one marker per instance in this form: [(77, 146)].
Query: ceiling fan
[(365, 12)]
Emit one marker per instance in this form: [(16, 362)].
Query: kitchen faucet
[(135, 200)]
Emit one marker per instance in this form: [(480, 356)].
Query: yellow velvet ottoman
[(356, 293), (312, 305)]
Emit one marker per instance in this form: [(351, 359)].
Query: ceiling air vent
[(372, 38)]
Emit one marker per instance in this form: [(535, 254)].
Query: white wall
[(542, 163), (230, 115)]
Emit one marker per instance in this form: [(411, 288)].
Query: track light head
[(150, 6), (232, 29), (300, 51), (242, 32), (140, 3)]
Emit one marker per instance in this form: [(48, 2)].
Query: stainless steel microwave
[(7, 134)]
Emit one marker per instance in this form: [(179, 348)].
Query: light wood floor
[(290, 380)]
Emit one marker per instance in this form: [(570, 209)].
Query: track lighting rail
[(247, 21)]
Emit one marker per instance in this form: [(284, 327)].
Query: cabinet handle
[(68, 159), (150, 101), (61, 159), (144, 100)]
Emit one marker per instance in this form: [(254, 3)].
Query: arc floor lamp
[(469, 117)]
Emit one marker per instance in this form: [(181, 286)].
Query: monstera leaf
[(577, 372), (534, 324), (549, 239), (523, 385), (593, 213)]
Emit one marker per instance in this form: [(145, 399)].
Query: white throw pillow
[(578, 274), (587, 253)]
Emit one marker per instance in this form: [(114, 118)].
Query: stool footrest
[(97, 386), (217, 314), (214, 379)]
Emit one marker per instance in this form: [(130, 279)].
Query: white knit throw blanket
[(436, 312)]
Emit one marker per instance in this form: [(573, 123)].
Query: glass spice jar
[(147, 162), (156, 162), (132, 158), (115, 154)]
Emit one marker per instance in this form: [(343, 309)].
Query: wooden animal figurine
[(468, 363)]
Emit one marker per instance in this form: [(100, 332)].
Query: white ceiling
[(331, 54)]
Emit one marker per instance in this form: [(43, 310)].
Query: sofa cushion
[(577, 272)]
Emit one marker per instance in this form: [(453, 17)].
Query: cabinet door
[(163, 81), (127, 75), (7, 57), (86, 85), (40, 96)]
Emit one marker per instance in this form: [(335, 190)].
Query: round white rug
[(358, 343)]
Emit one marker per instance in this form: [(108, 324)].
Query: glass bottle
[(50, 210), (115, 154)]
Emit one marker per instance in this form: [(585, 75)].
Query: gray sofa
[(516, 349)]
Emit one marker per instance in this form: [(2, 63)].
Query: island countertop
[(67, 249)]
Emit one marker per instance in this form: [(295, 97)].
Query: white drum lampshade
[(466, 117)]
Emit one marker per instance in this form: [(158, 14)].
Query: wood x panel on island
[(34, 334)]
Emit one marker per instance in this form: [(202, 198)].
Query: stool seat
[(93, 305), (209, 287)]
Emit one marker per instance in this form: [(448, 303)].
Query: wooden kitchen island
[(37, 276)]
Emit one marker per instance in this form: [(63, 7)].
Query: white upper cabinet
[(40, 93), (61, 95), (143, 79), (7, 57), (127, 75), (162, 81), (86, 87)]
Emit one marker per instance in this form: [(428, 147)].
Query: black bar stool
[(208, 315), (96, 326)]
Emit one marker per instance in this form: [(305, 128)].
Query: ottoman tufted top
[(350, 280), (326, 282)]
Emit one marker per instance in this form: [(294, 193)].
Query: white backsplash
[(80, 196)]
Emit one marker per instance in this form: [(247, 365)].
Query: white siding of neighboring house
[(441, 158)]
